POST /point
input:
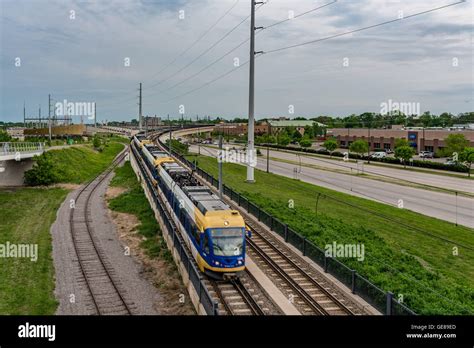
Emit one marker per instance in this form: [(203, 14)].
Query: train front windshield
[(227, 241)]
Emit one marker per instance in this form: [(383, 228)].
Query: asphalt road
[(440, 205)]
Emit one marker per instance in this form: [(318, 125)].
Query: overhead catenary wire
[(362, 29), (234, 49), (204, 52)]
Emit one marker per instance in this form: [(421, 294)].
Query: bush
[(43, 172)]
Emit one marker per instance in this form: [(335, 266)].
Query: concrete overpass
[(15, 159)]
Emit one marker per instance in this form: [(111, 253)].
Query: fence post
[(271, 222), (238, 199), (389, 303), (258, 215), (304, 246), (353, 281), (325, 264), (286, 233)]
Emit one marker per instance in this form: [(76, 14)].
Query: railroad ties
[(106, 294), (309, 293)]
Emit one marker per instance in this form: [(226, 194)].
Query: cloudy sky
[(80, 50)]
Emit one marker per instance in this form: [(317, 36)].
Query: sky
[(99, 51)]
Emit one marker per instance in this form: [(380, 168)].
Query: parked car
[(378, 155), (426, 154), (388, 151)]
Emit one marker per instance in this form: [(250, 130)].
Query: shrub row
[(416, 163)]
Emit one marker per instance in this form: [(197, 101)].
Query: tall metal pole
[(146, 126), (169, 123), (24, 114), (250, 128), (140, 125), (49, 116), (95, 114), (220, 158)]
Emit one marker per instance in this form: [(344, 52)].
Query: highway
[(445, 206)]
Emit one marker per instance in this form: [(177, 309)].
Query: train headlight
[(226, 223), (239, 262), (216, 263)]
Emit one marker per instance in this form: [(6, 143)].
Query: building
[(16, 133), (421, 139), (276, 126), (238, 129)]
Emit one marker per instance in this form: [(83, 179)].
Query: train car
[(215, 233), (140, 140)]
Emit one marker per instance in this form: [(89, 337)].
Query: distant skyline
[(80, 50)]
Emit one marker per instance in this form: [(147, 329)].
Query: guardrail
[(210, 306), (8, 148), (383, 301)]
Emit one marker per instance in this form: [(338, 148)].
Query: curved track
[(105, 292)]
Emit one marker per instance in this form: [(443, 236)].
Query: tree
[(467, 156), (43, 172), (401, 142), (296, 135), (405, 153), (283, 139), (455, 143), (359, 146), (330, 145), (96, 142), (4, 136), (305, 142)]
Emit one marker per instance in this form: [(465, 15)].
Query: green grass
[(26, 288), (134, 201), (81, 164), (397, 258)]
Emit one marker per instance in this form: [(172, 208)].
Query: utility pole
[(251, 122), (140, 126), (146, 126), (170, 133), (39, 116), (95, 114), (24, 114), (49, 116), (220, 159)]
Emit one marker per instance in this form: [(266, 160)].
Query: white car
[(379, 155)]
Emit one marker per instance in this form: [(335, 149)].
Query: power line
[(237, 47), (204, 52), (198, 40), (362, 29), (298, 15)]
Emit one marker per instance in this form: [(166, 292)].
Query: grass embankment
[(27, 287), (80, 164), (134, 201), (26, 216), (408, 262)]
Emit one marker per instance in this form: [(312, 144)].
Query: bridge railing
[(7, 148)]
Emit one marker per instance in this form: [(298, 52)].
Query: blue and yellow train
[(215, 233)]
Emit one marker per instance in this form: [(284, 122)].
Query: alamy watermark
[(392, 107), (228, 155), (356, 251), (10, 250), (75, 109)]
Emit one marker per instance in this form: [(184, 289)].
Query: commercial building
[(276, 126), (421, 139), (241, 128)]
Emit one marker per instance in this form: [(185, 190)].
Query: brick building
[(421, 139)]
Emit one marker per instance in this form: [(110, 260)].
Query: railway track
[(310, 295), (236, 298), (106, 293)]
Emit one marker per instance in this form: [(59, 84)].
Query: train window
[(227, 241), (205, 243)]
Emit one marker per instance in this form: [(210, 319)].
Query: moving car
[(378, 155), (426, 154)]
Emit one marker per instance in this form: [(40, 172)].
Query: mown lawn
[(418, 265), (26, 216), (80, 164)]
